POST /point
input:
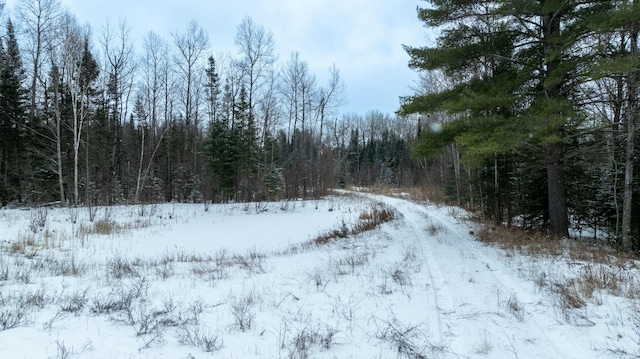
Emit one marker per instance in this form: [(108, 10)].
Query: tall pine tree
[(516, 65)]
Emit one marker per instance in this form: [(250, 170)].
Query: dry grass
[(371, 219), (433, 229), (596, 269), (29, 244), (515, 240), (368, 220), (432, 194), (569, 293), (101, 226), (106, 227), (424, 194)]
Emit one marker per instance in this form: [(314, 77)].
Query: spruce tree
[(13, 143), (212, 88)]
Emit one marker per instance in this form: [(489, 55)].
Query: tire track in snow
[(415, 218), (563, 348), (436, 282), (414, 225)]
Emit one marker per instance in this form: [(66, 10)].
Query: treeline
[(88, 119), (533, 107)]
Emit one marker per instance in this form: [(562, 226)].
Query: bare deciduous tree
[(256, 49), (330, 97), (119, 69), (190, 45), (38, 19)]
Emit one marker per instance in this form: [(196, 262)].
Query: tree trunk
[(632, 115), (59, 155), (497, 207), (139, 180), (87, 187), (319, 188), (628, 186), (78, 121), (558, 220), (456, 170), (58, 137)]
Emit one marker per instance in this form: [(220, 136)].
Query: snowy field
[(249, 281)]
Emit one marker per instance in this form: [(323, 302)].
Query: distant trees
[(84, 122), (526, 111), (298, 87)]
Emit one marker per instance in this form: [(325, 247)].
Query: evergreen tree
[(13, 140), (212, 90), (222, 147), (517, 66), (245, 142), (89, 72), (222, 158)]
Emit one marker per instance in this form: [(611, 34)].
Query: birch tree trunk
[(57, 130), (139, 180)]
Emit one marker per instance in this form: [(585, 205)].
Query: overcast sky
[(363, 38)]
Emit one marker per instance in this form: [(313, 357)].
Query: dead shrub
[(349, 263), (308, 337), (17, 247), (568, 294), (252, 261), (12, 317), (38, 218), (428, 193), (105, 227), (102, 226), (408, 340), (368, 220), (120, 267), (515, 239), (515, 308), (199, 337), (376, 216), (538, 244), (599, 268), (242, 310), (433, 229)]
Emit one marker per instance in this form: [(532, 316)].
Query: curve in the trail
[(435, 252)]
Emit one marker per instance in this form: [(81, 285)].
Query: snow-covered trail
[(480, 305), (419, 286)]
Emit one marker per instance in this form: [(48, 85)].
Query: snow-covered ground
[(242, 281)]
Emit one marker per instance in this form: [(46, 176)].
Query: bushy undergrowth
[(423, 194), (369, 219), (594, 269)]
